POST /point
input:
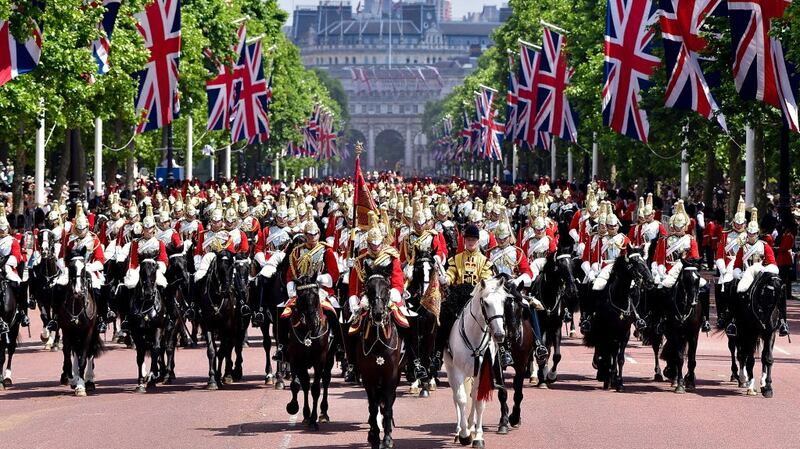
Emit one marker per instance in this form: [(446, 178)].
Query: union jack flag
[(687, 88), (220, 90), (491, 130), (264, 137), (100, 47), (466, 137), (157, 99), (249, 114), (511, 100), (628, 65), (527, 87), (310, 147), (19, 58), (477, 134), (759, 68), (555, 115)]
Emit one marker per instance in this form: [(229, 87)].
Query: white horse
[(477, 331)]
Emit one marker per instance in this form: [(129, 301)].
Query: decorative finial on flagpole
[(359, 148)]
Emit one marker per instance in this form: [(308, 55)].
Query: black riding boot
[(258, 316), (505, 356), (783, 328), (705, 304), (540, 352), (102, 310), (283, 340)]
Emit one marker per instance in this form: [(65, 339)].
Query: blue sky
[(460, 7)]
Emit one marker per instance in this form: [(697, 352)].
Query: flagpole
[(226, 166), (41, 197), (98, 157), (685, 164), (514, 163), (553, 159), (189, 174), (595, 151), (569, 165), (750, 166)]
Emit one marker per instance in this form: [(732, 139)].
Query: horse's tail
[(671, 351), (96, 347), (485, 386)]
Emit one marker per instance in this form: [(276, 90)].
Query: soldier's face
[(311, 239), (752, 238), (216, 225), (471, 243), (612, 229), (504, 242), (147, 233), (539, 233), (679, 231), (738, 227)]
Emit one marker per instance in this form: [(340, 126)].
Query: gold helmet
[(502, 231), (178, 206), (419, 214), (591, 202), (611, 216), (540, 222), (752, 227), (231, 216), (281, 211), (648, 205), (54, 215), (311, 227), (216, 214), (680, 219), (163, 215), (133, 211), (149, 221), (640, 209), (243, 208), (739, 217), (374, 235), (603, 216), (442, 208), (191, 210), (116, 208), (81, 222)]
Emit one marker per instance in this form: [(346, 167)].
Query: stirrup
[(245, 310), (4, 329), (541, 353), (706, 326), (505, 359), (586, 326), (731, 330), (24, 321), (258, 319), (52, 326), (567, 316), (111, 315), (783, 329), (101, 327), (279, 355), (640, 324)]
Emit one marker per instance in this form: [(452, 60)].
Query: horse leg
[(374, 435), (766, 365), (326, 381), (305, 382), (741, 351), (2, 362), (680, 386), (156, 360), (734, 366), (89, 376), (140, 367), (266, 343), (389, 395), (751, 381), (293, 407), (66, 366), (502, 396), (658, 377), (227, 344), (519, 379), (692, 363), (12, 348), (478, 408), (456, 380), (620, 363), (168, 375), (211, 353), (239, 344), (315, 390), (554, 349)]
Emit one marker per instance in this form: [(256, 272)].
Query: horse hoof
[(54, 348), (734, 378), (80, 392), (169, 380), (279, 384), (414, 391), (690, 386), (551, 377), (292, 408), (90, 386), (620, 389), (8, 383), (387, 443), (658, 378), (478, 443), (44, 336), (141, 388), (237, 374), (64, 380), (432, 385), (543, 386), (751, 392), (464, 441), (424, 393), (572, 333), (514, 420), (533, 379), (48, 347), (502, 429), (374, 439), (227, 380), (742, 384), (680, 389), (767, 392), (324, 419), (212, 386), (269, 379)]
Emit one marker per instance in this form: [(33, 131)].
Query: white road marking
[(782, 351), (287, 439), (631, 360)]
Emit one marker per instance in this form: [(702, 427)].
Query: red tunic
[(784, 248), (396, 279), (134, 262), (661, 252)]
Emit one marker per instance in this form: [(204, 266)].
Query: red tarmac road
[(575, 412)]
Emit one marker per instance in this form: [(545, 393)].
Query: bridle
[(152, 311), (394, 341), (690, 302), (75, 315), (309, 339), (477, 351)]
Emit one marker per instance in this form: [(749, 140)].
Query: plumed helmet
[(419, 214), (191, 211), (752, 227), (443, 209), (54, 216), (259, 211), (149, 221), (216, 214), (231, 216), (179, 205), (291, 214), (375, 234), (311, 227), (243, 208), (472, 231), (611, 216), (163, 215), (566, 194), (640, 209), (648, 205), (739, 217), (475, 216), (133, 211), (591, 202), (502, 231), (679, 219), (601, 218)]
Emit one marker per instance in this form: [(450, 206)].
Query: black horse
[(241, 291), (43, 290), (423, 327), (77, 316), (757, 318), (614, 313), (310, 346), (554, 287), (683, 317), (377, 352), (520, 340), (148, 325), (218, 316), (9, 327)]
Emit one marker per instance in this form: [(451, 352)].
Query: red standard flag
[(362, 200)]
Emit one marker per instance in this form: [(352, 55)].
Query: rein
[(483, 343), (380, 326), (152, 309), (678, 314)]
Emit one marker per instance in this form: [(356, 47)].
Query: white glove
[(267, 271), (350, 263), (325, 280), (162, 267), (364, 304), (443, 280), (395, 296), (720, 263), (408, 271), (94, 266), (586, 267), (592, 275), (737, 273), (260, 258), (276, 258), (354, 303), (131, 278), (291, 290), (197, 260)]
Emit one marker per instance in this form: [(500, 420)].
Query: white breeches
[(602, 277), (132, 276), (749, 275), (205, 262), (671, 276), (536, 266)]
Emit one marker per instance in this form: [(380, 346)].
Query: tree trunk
[(735, 168), (17, 184), (80, 171), (710, 180), (63, 164), (130, 165), (761, 171)]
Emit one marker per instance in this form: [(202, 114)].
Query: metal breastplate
[(538, 248), (753, 254), (309, 265), (148, 248), (419, 243), (613, 247), (165, 236), (650, 231), (5, 245), (484, 240), (505, 260), (677, 247), (278, 238), (215, 241), (732, 243)]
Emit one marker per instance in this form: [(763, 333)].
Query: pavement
[(574, 412)]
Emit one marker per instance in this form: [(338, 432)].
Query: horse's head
[(223, 271), (513, 313), (241, 276), (492, 294), (688, 284), (637, 266), (307, 311), (79, 281), (564, 272), (377, 289), (47, 244), (766, 293), (147, 279)]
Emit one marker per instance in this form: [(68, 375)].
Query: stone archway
[(389, 150)]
